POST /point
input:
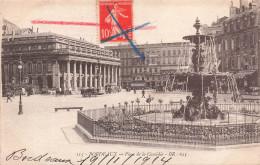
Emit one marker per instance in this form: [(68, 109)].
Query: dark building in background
[(238, 45), (161, 59), (51, 60)]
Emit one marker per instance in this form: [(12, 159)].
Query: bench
[(68, 108)]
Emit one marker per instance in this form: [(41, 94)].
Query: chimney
[(243, 3), (32, 29), (37, 30)]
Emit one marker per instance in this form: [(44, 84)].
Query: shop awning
[(138, 84), (243, 73)]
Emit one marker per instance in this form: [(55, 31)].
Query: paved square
[(42, 130)]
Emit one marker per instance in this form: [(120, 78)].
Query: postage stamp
[(115, 16)]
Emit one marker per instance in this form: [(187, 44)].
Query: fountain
[(202, 74)]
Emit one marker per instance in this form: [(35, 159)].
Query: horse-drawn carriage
[(160, 88), (90, 92), (112, 88)]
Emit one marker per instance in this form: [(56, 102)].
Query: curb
[(92, 139)]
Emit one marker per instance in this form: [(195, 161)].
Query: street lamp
[(20, 91)]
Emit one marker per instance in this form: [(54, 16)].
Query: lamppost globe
[(20, 66)]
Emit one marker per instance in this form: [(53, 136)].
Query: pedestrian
[(143, 93), (134, 91), (8, 95)]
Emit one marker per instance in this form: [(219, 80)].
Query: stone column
[(86, 75), (54, 75), (75, 76), (99, 78), (63, 66), (44, 75), (108, 74), (68, 76), (116, 75), (90, 76), (58, 74), (80, 73), (112, 74), (104, 75), (95, 74), (119, 76)]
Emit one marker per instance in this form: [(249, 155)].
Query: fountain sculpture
[(202, 74)]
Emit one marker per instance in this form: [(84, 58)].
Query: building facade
[(160, 60), (238, 45), (51, 60)]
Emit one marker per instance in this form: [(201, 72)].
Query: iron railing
[(209, 135), (141, 130)]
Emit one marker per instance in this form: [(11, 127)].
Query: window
[(30, 67), (252, 21), (44, 46), (232, 63), (253, 60), (226, 45), (25, 48), (179, 52), (169, 52), (219, 47), (44, 66), (174, 52), (231, 26), (49, 67), (238, 63), (253, 39), (164, 52), (49, 46), (153, 61), (245, 22), (11, 68), (227, 63), (39, 47), (232, 44), (238, 25), (39, 67), (34, 47)]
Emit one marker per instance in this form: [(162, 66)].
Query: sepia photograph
[(130, 82)]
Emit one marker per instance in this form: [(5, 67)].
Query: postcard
[(130, 82)]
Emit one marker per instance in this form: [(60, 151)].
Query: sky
[(173, 18)]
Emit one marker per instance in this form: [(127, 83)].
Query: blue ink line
[(131, 43), (127, 31)]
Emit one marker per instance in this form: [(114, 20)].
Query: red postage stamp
[(121, 11)]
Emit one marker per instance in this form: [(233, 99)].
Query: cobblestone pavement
[(41, 130)]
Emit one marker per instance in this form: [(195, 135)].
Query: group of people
[(143, 92)]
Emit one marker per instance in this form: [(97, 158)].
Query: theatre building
[(161, 59), (51, 61)]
